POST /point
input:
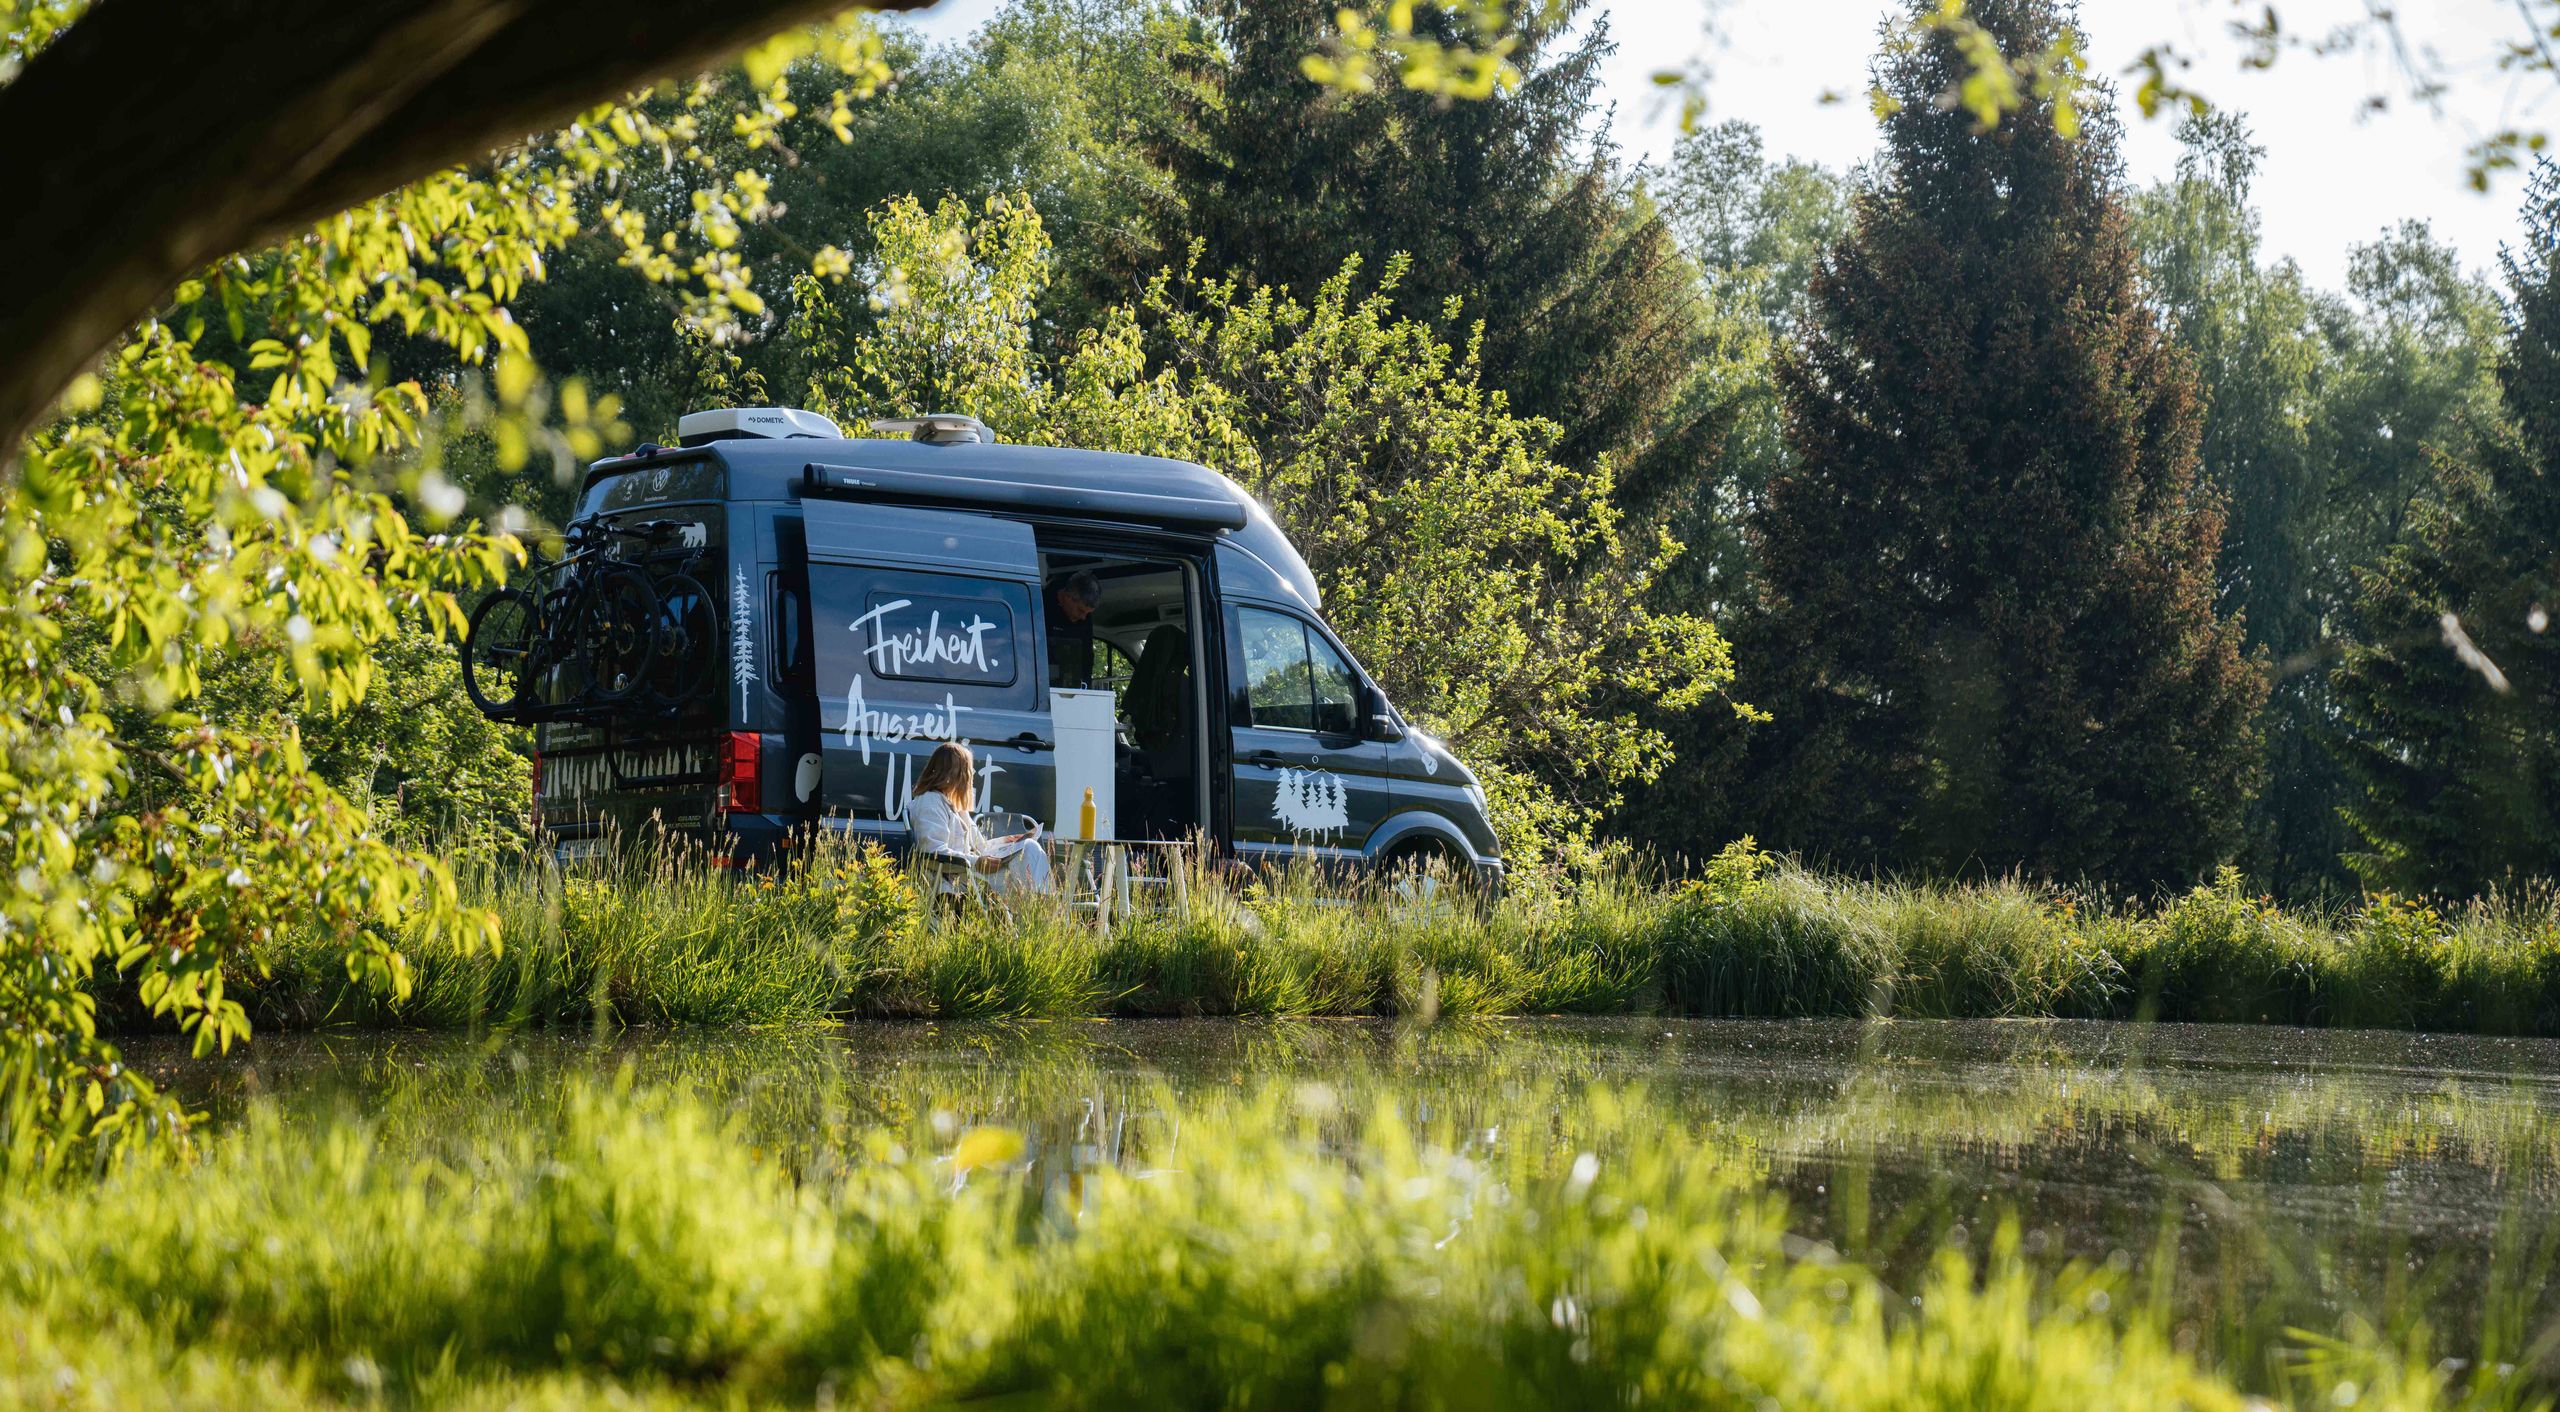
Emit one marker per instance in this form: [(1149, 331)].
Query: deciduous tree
[(245, 476), (1494, 589)]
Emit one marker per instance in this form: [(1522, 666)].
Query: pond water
[(2248, 1178)]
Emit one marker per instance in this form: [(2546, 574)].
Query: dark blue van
[(826, 610)]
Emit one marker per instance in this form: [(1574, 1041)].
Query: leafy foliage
[(1990, 624), (1051, 99)]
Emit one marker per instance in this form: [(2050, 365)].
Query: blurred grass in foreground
[(1277, 1248), (659, 941)]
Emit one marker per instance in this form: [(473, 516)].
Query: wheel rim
[(685, 632), (624, 636), (501, 653)]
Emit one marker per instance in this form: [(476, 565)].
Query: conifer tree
[(1990, 635), (1512, 205), (2449, 690)]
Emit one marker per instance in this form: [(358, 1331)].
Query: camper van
[(765, 630)]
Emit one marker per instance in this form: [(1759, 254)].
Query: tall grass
[(1274, 1250), (661, 942)]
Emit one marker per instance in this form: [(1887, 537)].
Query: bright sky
[(2334, 174)]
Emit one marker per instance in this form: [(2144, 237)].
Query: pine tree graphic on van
[(742, 636), (1311, 802)]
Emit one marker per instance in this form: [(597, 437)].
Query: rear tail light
[(741, 774)]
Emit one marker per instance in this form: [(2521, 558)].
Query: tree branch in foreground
[(152, 139)]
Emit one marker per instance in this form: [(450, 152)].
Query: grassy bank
[(662, 944), (1280, 1248)]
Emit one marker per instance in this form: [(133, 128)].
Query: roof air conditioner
[(737, 423)]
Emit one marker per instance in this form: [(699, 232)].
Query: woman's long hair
[(952, 774)]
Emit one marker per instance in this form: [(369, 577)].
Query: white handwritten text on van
[(901, 652), (864, 723)]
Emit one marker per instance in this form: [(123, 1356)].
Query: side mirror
[(1382, 723)]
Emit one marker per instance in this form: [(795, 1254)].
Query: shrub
[(2217, 955)]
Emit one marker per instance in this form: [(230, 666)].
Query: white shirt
[(938, 826)]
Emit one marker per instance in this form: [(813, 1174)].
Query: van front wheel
[(1426, 872)]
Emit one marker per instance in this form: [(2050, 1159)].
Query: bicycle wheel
[(498, 653), (688, 635), (621, 636)]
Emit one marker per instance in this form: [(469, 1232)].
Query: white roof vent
[(938, 429), (736, 423)]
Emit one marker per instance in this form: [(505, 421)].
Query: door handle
[(1030, 740), (1263, 757)]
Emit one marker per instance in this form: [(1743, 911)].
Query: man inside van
[(1072, 599)]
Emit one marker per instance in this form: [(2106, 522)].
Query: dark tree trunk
[(157, 136)]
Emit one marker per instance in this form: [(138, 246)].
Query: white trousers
[(1026, 871)]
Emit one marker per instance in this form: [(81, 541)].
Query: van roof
[(774, 469)]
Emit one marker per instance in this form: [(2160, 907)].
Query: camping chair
[(951, 883)]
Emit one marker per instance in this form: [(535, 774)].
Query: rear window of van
[(668, 484)]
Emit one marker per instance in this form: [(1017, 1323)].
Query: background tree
[(1991, 632), (2450, 686), (2321, 411), (1513, 202), (1052, 99), (1756, 230), (2255, 335)]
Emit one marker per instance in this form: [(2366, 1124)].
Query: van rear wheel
[(498, 650)]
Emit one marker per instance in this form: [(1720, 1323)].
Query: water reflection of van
[(876, 597)]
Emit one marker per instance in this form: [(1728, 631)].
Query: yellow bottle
[(1084, 816)]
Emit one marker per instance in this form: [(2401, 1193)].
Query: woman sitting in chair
[(939, 822)]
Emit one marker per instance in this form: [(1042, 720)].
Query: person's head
[(953, 774), (1078, 595)]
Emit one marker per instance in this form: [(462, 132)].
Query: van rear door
[(926, 628)]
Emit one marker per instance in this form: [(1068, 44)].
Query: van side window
[(922, 637), (1337, 691), (912, 636), (1293, 679), (1275, 671)]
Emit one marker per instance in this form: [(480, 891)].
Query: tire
[(1430, 872), (501, 653), (688, 639), (620, 635)]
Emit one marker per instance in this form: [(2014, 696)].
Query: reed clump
[(660, 940)]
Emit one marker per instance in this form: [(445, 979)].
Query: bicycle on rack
[(596, 633)]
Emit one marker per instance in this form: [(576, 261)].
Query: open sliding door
[(927, 629)]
